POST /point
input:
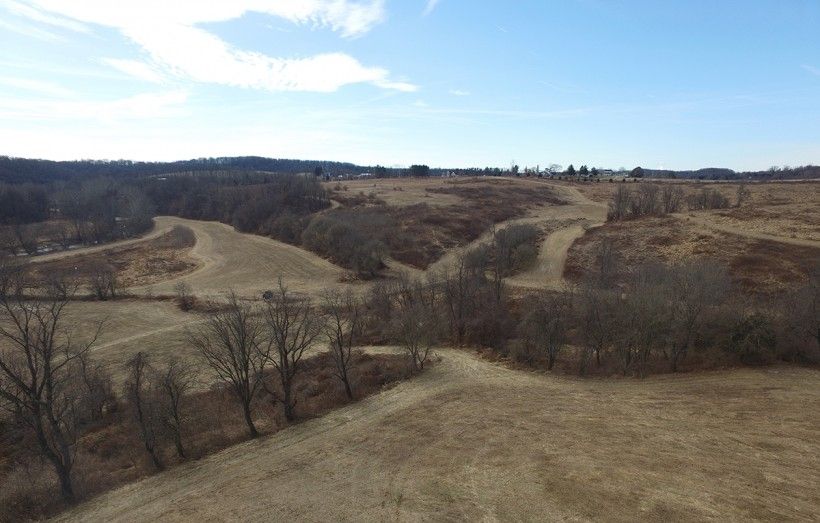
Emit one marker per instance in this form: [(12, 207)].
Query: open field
[(246, 263), (759, 265), (472, 440)]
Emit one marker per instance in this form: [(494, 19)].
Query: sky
[(450, 83)]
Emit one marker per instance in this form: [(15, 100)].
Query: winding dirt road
[(158, 230)]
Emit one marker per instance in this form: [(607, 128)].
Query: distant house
[(364, 176)]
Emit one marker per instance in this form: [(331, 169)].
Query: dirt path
[(576, 218), (160, 228), (470, 440), (703, 220), (566, 222), (246, 263)]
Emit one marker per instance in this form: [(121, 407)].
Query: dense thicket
[(251, 202), (23, 204)]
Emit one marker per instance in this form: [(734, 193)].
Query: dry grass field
[(769, 243), (151, 260), (471, 440)]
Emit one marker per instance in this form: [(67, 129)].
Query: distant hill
[(23, 170), (714, 173)]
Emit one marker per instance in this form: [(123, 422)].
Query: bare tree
[(140, 394), (598, 323), (99, 390), (416, 328), (175, 380), (342, 330), (546, 325), (8, 244), (26, 235), (694, 286), (802, 310), (645, 318), (606, 263), (292, 328), (461, 286), (38, 368), (233, 345)]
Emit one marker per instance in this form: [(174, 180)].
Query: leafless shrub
[(742, 194), (619, 207), (671, 198), (752, 338), (185, 298), (102, 279), (514, 248), (708, 198)]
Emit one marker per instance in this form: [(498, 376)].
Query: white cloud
[(37, 15), (37, 86), (135, 68), (431, 5), (168, 33), (812, 69), (30, 31), (459, 92)]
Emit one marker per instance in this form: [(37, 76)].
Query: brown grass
[(469, 440), (758, 266), (142, 263), (446, 214)]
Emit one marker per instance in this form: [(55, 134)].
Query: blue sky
[(669, 84)]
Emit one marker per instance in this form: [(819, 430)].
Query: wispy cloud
[(37, 86), (812, 69), (136, 69), (459, 92), (142, 106), (430, 7), (170, 34), (30, 31), (37, 15)]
